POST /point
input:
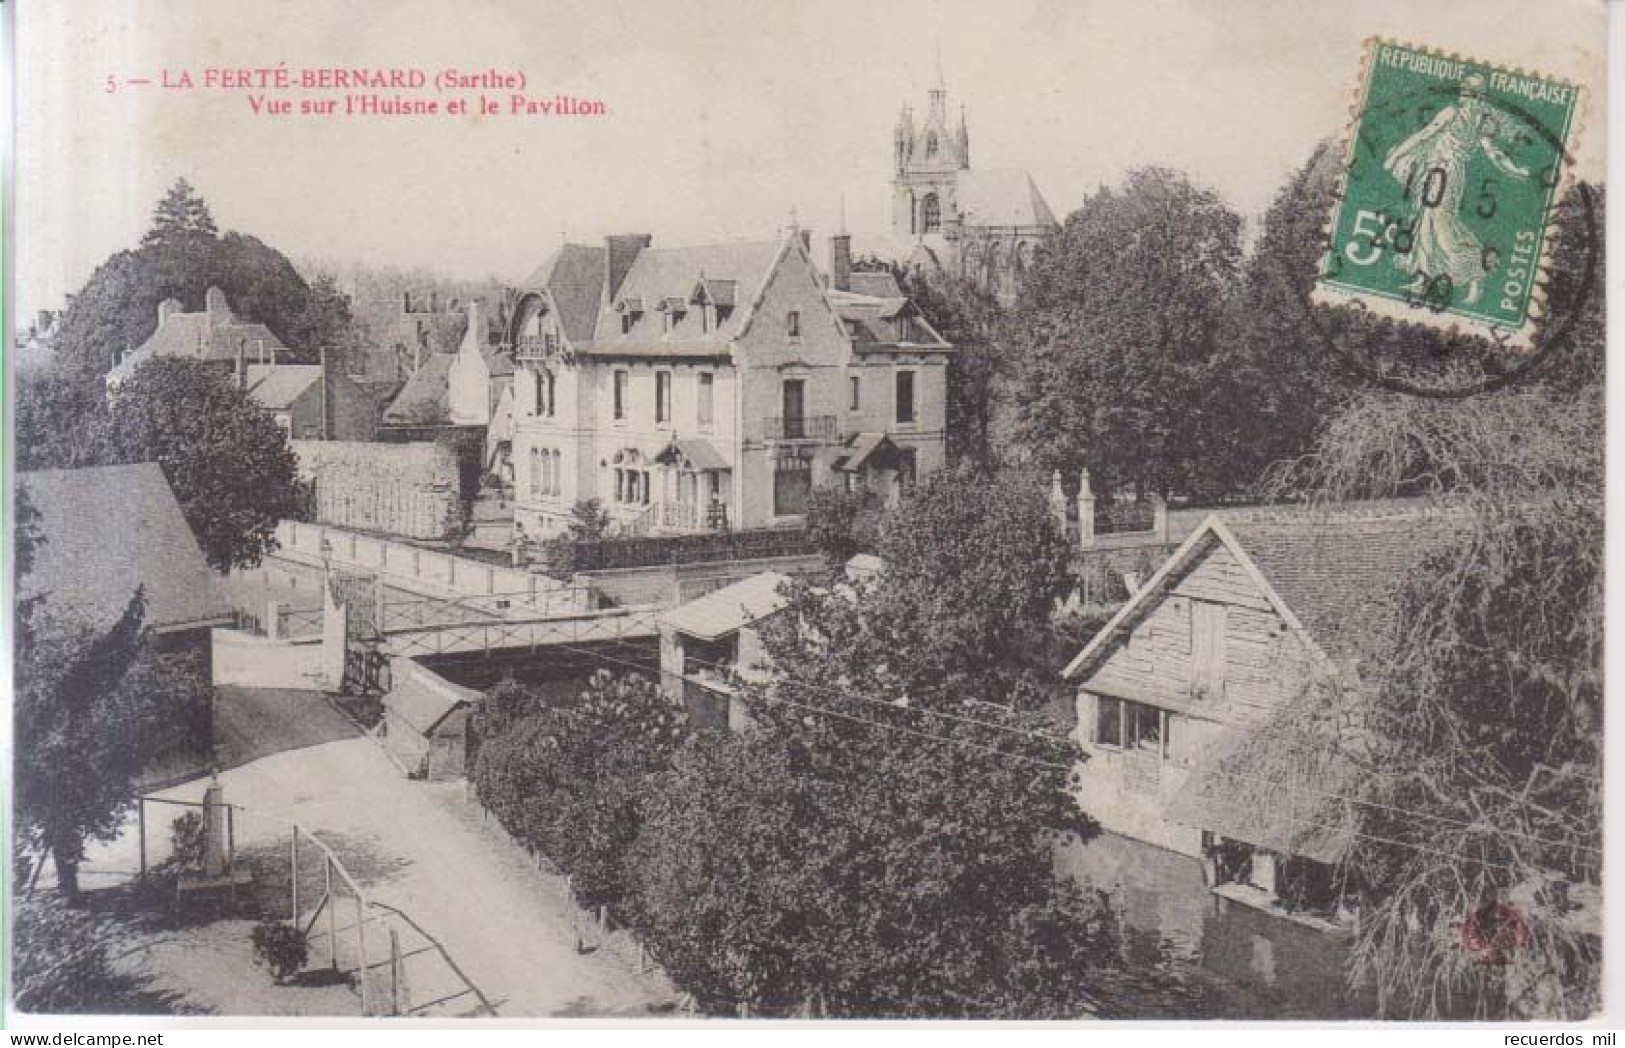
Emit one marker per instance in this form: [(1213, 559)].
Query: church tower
[(927, 159)]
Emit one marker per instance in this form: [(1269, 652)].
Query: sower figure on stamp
[(1432, 166)]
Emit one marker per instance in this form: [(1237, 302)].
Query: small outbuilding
[(427, 722), (709, 642)]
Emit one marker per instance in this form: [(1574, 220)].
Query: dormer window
[(671, 311), (905, 329), (931, 146), (792, 323), (630, 310)]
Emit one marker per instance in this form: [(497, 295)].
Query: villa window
[(662, 396), (905, 397), (792, 481), (792, 323), (705, 405), (621, 378), (856, 397)]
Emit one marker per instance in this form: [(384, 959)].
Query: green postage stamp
[(1451, 174)]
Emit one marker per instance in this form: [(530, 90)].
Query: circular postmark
[(1369, 155), (1494, 931)]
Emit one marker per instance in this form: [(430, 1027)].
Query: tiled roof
[(275, 387), (864, 449), (673, 272), (875, 284), (108, 530), (696, 453), (1289, 800), (729, 609), (1001, 197), (872, 322), (214, 334), (422, 698), (574, 275), (1336, 566), (426, 396)]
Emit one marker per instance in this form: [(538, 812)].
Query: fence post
[(394, 972), (1086, 512), (332, 915), (293, 872), (361, 964)]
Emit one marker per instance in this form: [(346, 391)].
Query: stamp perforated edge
[(1520, 338)]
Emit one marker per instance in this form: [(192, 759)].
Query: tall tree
[(1116, 330), (117, 309), (76, 766), (967, 316), (180, 214), (974, 564), (863, 858), (228, 463)]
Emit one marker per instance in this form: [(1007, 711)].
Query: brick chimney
[(406, 301), (840, 262), (620, 251)]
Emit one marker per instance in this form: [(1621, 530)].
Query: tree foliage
[(974, 564), (179, 215), (569, 779), (859, 856), (842, 523), (181, 257), (227, 461), (1116, 332), (75, 770)]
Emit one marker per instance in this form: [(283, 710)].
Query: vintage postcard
[(806, 511)]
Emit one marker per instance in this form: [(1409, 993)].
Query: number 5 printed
[(1373, 239)]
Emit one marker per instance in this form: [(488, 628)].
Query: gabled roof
[(1324, 568), (422, 698), (109, 530), (275, 387), (1001, 197), (729, 609), (872, 323), (867, 449), (425, 398), (694, 453), (214, 334)]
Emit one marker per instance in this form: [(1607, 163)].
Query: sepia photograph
[(650, 512)]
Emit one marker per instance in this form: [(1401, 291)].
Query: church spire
[(939, 91)]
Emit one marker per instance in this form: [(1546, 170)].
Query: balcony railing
[(802, 427), (693, 517)]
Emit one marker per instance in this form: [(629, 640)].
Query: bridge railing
[(499, 634)]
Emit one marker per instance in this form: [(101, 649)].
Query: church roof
[(1001, 197)]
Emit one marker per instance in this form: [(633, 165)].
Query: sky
[(725, 117)]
